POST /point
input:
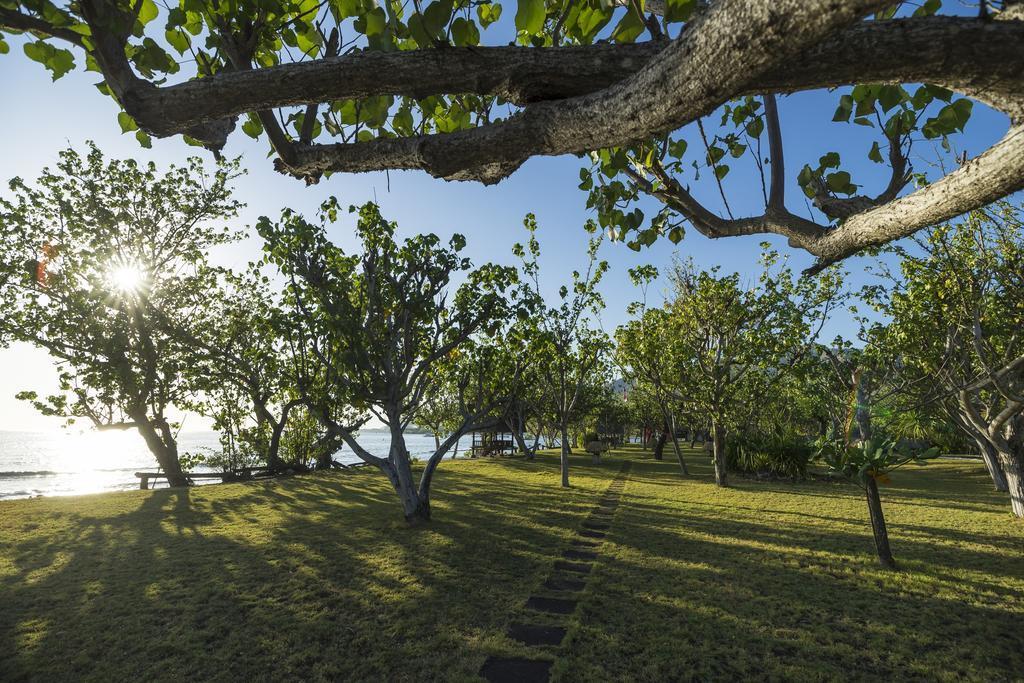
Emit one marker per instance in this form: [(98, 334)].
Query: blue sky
[(50, 116)]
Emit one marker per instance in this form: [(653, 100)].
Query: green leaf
[(252, 127), (178, 40), (721, 171), (840, 182), (488, 13), (148, 12), (126, 122), (530, 16), (144, 139), (755, 127), (629, 28), (4, 47), (465, 33), (679, 10), (844, 109), (677, 148), (875, 154)]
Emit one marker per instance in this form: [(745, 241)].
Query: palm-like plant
[(868, 464)]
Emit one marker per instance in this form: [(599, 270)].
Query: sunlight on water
[(75, 461)]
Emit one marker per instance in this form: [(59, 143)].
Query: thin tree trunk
[(565, 456), (878, 525), (437, 442), (718, 451), (991, 460), (274, 463), (679, 453)]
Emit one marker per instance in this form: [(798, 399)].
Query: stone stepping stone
[(587, 533), (559, 583), (596, 526), (585, 544), (551, 605), (516, 670), (577, 567), (585, 555), (531, 634)]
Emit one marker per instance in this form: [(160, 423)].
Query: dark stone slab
[(551, 605), (596, 526), (587, 533), (515, 670), (585, 555), (585, 544), (531, 634), (578, 567), (558, 583)]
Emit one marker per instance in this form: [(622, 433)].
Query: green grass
[(317, 577)]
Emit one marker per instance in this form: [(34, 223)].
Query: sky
[(46, 117)]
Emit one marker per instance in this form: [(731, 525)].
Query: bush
[(783, 457)]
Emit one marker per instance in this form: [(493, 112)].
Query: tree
[(369, 330), (565, 351), (956, 307), (646, 353), (93, 259), (736, 342), (241, 336), (419, 88), (867, 464)]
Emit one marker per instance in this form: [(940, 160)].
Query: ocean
[(65, 462)]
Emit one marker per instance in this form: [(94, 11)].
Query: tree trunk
[(164, 448), (679, 453), (517, 435), (991, 460), (718, 452), (1013, 469), (659, 445), (565, 456), (398, 468), (274, 463), (878, 525)]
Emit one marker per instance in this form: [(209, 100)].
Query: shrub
[(779, 456)]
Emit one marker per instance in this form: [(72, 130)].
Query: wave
[(32, 473)]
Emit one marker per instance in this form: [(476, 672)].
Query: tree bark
[(398, 468), (164, 449), (1013, 468), (565, 456), (991, 460), (679, 452), (718, 451), (878, 529)]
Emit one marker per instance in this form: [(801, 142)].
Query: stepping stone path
[(568, 579)]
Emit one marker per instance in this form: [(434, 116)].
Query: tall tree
[(370, 328), (956, 307), (736, 341), (338, 86), (565, 350), (93, 259)]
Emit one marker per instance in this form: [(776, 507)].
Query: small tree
[(93, 260), (369, 329), (867, 464), (564, 350)]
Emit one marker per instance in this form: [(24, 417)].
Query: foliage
[(772, 455), (97, 260), (372, 329), (872, 458)]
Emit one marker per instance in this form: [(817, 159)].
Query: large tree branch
[(981, 59)]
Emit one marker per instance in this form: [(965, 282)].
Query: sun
[(127, 278)]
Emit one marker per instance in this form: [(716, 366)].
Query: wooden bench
[(144, 477)]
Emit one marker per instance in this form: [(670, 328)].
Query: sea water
[(65, 462)]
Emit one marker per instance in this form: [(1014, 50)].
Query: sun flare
[(127, 278)]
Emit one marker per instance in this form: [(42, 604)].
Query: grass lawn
[(317, 577)]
